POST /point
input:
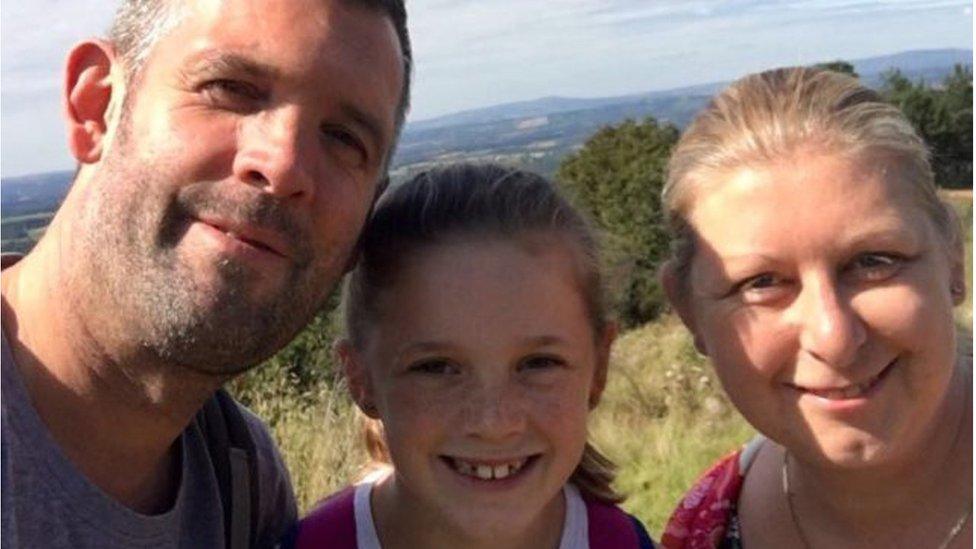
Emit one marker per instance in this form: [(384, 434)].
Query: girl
[(477, 338)]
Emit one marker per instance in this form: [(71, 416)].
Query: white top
[(575, 533)]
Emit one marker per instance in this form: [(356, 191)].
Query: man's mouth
[(488, 470), (254, 236), (847, 392), (256, 243)]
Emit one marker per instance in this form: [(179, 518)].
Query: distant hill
[(928, 64), (30, 194)]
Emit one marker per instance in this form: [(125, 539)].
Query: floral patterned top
[(707, 517)]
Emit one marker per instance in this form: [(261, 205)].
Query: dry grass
[(321, 443), (663, 419)]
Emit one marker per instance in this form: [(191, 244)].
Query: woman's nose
[(831, 330)]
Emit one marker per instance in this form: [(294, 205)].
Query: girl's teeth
[(487, 472)]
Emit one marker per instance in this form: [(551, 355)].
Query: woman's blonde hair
[(770, 115), (486, 200)]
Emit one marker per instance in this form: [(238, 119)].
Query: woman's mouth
[(847, 392)]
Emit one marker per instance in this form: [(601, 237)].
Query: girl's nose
[(495, 414)]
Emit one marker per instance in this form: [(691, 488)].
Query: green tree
[(943, 116), (616, 177), (838, 66)]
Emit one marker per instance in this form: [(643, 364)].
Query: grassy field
[(663, 418)]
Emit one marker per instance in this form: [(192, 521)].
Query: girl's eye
[(345, 145), (875, 266), (435, 367), (541, 362), (232, 94), (762, 288)]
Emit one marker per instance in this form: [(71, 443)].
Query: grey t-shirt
[(47, 502)]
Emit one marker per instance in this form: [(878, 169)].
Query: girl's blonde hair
[(473, 200), (768, 116)]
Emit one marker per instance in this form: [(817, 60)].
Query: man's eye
[(232, 94), (875, 266), (345, 145), (435, 366), (541, 362)]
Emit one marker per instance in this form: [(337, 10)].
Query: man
[(229, 151)]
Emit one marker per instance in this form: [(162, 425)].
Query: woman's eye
[(542, 362), (231, 94), (345, 145), (762, 288), (434, 367), (875, 266)]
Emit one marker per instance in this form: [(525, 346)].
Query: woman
[(816, 267)]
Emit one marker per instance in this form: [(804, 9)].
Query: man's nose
[(271, 154), (831, 330), (495, 413)]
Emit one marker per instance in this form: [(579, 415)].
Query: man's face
[(244, 165)]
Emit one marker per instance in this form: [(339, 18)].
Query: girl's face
[(482, 366), (821, 292)]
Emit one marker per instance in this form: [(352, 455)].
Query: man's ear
[(360, 384), (603, 363), (677, 291), (88, 89)]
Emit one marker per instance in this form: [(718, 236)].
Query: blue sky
[(473, 53)]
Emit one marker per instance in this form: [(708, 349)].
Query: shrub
[(617, 179)]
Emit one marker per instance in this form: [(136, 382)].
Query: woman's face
[(821, 292)]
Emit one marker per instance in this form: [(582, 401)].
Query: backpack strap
[(749, 452), (233, 455), (644, 540), (332, 524), (611, 528)]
